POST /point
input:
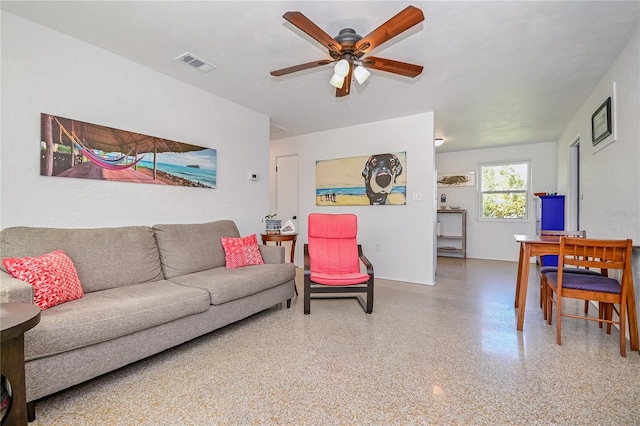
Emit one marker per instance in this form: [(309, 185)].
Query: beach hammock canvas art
[(368, 180), (72, 148)]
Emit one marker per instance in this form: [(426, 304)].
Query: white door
[(287, 193)]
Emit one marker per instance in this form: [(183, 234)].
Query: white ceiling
[(496, 73)]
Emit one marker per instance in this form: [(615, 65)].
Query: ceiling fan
[(348, 48)]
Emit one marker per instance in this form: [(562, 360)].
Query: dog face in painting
[(380, 172)]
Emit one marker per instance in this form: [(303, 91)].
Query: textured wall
[(403, 234), (46, 71)]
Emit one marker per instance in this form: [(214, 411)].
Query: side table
[(15, 320), (278, 239)]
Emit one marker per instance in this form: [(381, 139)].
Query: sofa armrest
[(272, 254), (14, 290)]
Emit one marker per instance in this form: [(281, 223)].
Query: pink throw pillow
[(240, 252), (52, 275)]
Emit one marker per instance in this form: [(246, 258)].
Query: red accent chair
[(332, 260)]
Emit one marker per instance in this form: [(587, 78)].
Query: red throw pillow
[(52, 275), (240, 252)]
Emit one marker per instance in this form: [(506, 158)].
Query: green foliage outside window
[(504, 191)]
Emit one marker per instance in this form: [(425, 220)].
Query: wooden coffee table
[(15, 320)]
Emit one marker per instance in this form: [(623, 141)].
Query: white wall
[(44, 71), (494, 240), (610, 177), (404, 233)]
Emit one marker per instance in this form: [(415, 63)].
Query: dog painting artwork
[(368, 180)]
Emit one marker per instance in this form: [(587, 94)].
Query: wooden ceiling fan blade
[(389, 65), (346, 87), (306, 25), (398, 24), (301, 67)]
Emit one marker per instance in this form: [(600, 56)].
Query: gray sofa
[(147, 289)]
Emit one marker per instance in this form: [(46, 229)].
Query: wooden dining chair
[(608, 292), (544, 269)]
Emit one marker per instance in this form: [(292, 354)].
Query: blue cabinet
[(552, 219)]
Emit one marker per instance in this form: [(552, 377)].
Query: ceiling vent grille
[(194, 61)]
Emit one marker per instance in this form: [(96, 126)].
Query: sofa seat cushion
[(109, 314), (225, 285)]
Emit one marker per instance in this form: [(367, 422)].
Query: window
[(504, 190)]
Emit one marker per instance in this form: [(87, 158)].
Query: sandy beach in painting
[(139, 175), (357, 200)]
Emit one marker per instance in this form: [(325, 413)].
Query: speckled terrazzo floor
[(441, 355)]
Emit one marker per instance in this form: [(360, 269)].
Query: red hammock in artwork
[(105, 164)]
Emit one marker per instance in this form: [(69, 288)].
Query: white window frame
[(527, 192)]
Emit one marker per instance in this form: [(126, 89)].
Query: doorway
[(287, 193), (575, 192)]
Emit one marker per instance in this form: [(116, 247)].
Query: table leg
[(293, 249), (522, 286), (515, 302), (12, 358)]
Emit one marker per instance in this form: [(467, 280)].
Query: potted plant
[(272, 225)]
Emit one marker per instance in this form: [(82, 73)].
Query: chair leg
[(288, 303), (601, 313), (608, 315), (549, 295), (307, 297), (543, 297), (370, 297), (559, 320), (623, 327), (542, 293)]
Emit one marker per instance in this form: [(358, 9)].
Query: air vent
[(194, 61)]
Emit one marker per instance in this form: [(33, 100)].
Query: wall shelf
[(452, 238)]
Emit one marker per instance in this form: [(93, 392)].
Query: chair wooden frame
[(556, 233), (603, 255), (312, 287)]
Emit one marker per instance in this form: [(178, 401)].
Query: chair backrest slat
[(593, 253)]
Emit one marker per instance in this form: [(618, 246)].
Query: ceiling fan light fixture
[(438, 141), (361, 74), (337, 81), (348, 48), (342, 68)]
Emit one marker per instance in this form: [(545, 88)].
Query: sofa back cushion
[(103, 257), (188, 248)]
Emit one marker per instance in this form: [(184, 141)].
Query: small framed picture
[(601, 122)]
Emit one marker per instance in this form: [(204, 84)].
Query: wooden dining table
[(530, 245), (536, 245)]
